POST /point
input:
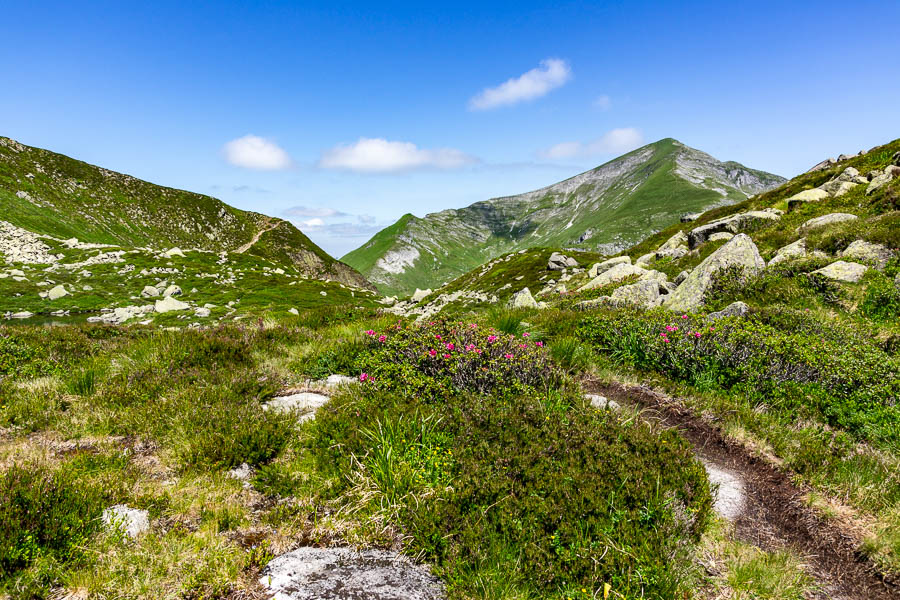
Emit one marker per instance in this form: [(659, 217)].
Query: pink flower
[(523, 346), (492, 339), (697, 334), (450, 346), (432, 352), (684, 316), (666, 341), (477, 351), (526, 334), (381, 338), (539, 344), (364, 377), (473, 326), (370, 332), (470, 347), (446, 356), (507, 355), (437, 337)]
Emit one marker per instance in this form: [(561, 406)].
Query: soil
[(773, 514)]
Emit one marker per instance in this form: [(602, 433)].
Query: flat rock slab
[(729, 499), (348, 574), (304, 401), (131, 521)]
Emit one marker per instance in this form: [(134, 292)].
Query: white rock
[(176, 251), (201, 312), (602, 402), (172, 290), (420, 295), (149, 292), (294, 311), (57, 292), (169, 303), (131, 521), (828, 219)]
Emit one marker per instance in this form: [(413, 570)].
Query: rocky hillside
[(603, 210), (48, 194)]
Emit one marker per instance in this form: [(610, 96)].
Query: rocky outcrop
[(420, 295), (794, 251), (558, 262), (740, 251), (606, 265), (824, 220), (57, 292), (801, 198), (22, 246), (733, 224), (523, 299), (675, 247), (614, 274), (169, 304), (735, 309), (868, 252), (846, 272)]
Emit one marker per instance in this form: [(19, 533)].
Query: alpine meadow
[(661, 374)]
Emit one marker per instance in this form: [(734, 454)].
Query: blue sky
[(344, 116)]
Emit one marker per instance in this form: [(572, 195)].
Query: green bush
[(43, 514), (787, 360), (535, 491), (882, 299), (442, 357)]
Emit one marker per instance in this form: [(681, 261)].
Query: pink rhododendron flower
[(507, 355), (450, 346), (684, 316), (492, 339), (477, 351), (539, 344), (364, 377), (446, 356), (381, 338), (470, 347), (432, 352), (370, 332), (526, 334)]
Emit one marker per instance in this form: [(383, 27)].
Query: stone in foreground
[(169, 304), (868, 252), (829, 219), (304, 401), (348, 574), (131, 521), (847, 272)]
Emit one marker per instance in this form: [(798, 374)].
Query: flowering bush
[(441, 357)]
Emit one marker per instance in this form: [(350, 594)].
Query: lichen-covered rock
[(740, 251), (798, 199), (838, 187), (172, 290), (642, 293), (646, 259), (735, 309), (606, 265), (829, 219), (523, 299), (57, 292), (733, 224), (558, 262), (792, 251), (722, 235), (169, 304), (304, 402), (149, 292), (348, 574), (878, 182), (675, 247), (847, 272), (130, 521), (615, 274), (173, 252), (864, 251), (420, 295)]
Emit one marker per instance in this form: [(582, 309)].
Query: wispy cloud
[(551, 74), (312, 211), (377, 155), (254, 152), (603, 102), (616, 141)]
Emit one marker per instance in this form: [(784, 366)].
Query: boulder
[(690, 217), (646, 259), (791, 251), (722, 235), (680, 277), (864, 251), (847, 272), (172, 290), (675, 247), (420, 295), (149, 292), (615, 274), (335, 381), (201, 312), (558, 262), (825, 164), (294, 311), (606, 265), (733, 224), (813, 195), (302, 402), (523, 299), (838, 187), (829, 219), (740, 251), (642, 293), (176, 251), (169, 304), (309, 573), (735, 309), (130, 521), (57, 292), (879, 182)]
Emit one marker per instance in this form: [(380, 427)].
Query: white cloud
[(376, 155), (616, 141), (312, 224), (254, 152), (603, 102), (537, 82), (312, 211)]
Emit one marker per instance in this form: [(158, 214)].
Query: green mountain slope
[(54, 195), (603, 210)]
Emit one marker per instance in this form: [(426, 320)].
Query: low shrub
[(43, 514), (882, 298)]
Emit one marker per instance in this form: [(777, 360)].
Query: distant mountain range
[(605, 210), (51, 194)]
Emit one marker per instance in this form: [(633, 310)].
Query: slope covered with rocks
[(602, 210)]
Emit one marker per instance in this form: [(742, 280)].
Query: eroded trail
[(771, 513)]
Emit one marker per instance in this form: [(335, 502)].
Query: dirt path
[(269, 226), (773, 514)]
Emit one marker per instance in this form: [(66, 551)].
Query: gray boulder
[(825, 164), (57, 292), (130, 521), (680, 277), (735, 309), (304, 402), (615, 274), (558, 262), (793, 251), (740, 251), (721, 236), (608, 264), (690, 217), (149, 292), (879, 182), (864, 251), (846, 272), (169, 304), (348, 574), (675, 247), (642, 293), (172, 290), (523, 299), (813, 195), (829, 219), (733, 224), (420, 295)]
